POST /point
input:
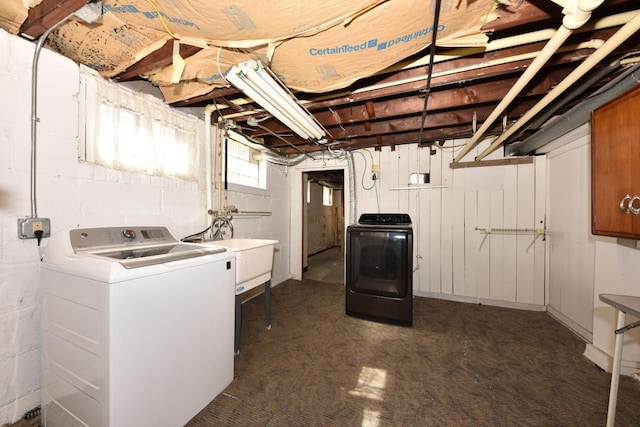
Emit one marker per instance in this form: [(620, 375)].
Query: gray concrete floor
[(326, 266)]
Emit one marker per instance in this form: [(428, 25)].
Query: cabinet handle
[(633, 209), (624, 207)]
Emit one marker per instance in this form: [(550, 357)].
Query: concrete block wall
[(276, 225), (74, 194)]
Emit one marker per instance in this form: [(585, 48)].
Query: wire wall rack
[(514, 231)]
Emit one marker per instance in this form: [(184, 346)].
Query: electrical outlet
[(375, 172), (27, 227), (37, 226)]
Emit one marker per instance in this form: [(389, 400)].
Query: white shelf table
[(625, 304)]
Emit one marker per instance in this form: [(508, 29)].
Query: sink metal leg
[(267, 299), (238, 324)]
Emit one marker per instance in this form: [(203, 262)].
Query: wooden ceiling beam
[(405, 130), (496, 71), (333, 99), (47, 14), (345, 119), (156, 59)]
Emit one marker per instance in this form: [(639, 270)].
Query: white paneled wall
[(452, 259), (581, 265), (571, 245), (504, 269)]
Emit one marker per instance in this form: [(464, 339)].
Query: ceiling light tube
[(254, 80), (237, 78), (262, 77)]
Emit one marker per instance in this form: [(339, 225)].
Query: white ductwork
[(352, 188), (629, 29), (576, 14), (292, 161), (576, 116)]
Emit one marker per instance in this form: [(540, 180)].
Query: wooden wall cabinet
[(615, 167)]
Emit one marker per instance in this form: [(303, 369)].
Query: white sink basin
[(254, 261)]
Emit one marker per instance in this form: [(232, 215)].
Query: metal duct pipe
[(292, 161), (352, 188), (578, 115), (208, 153), (614, 41), (576, 15), (280, 159)]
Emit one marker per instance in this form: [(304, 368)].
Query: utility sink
[(254, 261)]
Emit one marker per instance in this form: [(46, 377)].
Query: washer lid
[(145, 256), (135, 247)]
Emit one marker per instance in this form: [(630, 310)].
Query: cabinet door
[(615, 166)]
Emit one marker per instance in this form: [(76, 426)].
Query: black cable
[(184, 239), (38, 234), (364, 171), (432, 53), (226, 163)]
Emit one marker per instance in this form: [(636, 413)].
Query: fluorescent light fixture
[(252, 78)]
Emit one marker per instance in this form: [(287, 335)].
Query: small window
[(327, 196), (125, 130), (241, 167)]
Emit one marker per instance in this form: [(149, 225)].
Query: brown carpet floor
[(459, 365)]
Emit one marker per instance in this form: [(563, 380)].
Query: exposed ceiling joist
[(47, 14), (385, 109)]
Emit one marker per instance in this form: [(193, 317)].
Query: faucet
[(218, 223)]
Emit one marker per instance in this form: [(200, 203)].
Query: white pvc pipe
[(547, 52), (503, 43), (507, 42), (576, 15), (629, 29), (590, 44), (208, 153)]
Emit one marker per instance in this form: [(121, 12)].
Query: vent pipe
[(622, 35), (578, 115), (577, 13)]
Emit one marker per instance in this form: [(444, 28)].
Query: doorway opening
[(323, 225)]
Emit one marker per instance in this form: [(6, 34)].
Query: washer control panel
[(110, 237)]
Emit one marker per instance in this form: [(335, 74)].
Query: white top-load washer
[(137, 327)]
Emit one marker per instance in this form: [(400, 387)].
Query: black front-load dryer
[(379, 258)]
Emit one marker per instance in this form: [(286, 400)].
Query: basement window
[(241, 167), (327, 196), (125, 130)]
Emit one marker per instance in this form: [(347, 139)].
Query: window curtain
[(127, 130)]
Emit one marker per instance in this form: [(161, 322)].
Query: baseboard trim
[(605, 361), (575, 327), (476, 300), (599, 357)]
